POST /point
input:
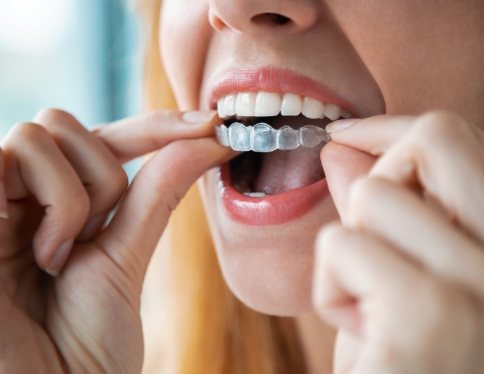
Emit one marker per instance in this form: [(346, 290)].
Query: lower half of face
[(396, 58), (265, 245)]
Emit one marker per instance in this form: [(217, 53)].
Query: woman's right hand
[(61, 181)]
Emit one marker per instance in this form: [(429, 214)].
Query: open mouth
[(257, 175)]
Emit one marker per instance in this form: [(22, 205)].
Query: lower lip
[(271, 209)]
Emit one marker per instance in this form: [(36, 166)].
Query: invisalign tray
[(263, 138)]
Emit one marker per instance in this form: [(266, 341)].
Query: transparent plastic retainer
[(263, 138)]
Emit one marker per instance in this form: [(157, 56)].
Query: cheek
[(184, 38), (406, 45), (380, 36)]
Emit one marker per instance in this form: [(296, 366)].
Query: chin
[(267, 281)]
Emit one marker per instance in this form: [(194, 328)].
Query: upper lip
[(273, 79)]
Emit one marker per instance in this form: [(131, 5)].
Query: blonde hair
[(214, 332)]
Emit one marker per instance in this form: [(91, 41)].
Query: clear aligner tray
[(263, 138)]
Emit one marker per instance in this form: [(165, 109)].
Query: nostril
[(271, 19)]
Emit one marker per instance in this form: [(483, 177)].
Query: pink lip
[(288, 206), (271, 209), (274, 80)]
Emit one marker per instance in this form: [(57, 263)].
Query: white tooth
[(287, 138), (311, 136), (263, 138), (245, 104), (229, 104), (239, 137), (255, 194), (222, 133), (332, 111), (267, 104), (220, 108), (291, 105), (312, 108)]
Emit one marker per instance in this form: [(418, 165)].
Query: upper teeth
[(267, 104)]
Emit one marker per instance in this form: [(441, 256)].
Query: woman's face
[(368, 57)]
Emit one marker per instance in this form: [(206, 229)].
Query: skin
[(57, 179), (406, 252), (394, 58), (370, 64)]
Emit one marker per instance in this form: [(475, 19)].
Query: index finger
[(133, 137), (373, 135)]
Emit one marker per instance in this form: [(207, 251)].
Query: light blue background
[(79, 55)]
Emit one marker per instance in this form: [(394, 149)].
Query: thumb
[(346, 352), (342, 166), (132, 235)]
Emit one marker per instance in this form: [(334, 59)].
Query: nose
[(255, 16)]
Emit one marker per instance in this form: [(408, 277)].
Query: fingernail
[(340, 125), (92, 226), (59, 258), (3, 201), (199, 116)]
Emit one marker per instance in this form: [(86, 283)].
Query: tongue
[(282, 171)]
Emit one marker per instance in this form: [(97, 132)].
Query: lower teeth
[(255, 194)]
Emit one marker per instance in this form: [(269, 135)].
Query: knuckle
[(330, 242), (439, 127), (53, 115), (120, 179), (55, 119), (331, 235), (27, 132), (112, 191), (363, 192)]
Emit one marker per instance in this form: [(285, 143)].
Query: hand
[(401, 277), (61, 181)]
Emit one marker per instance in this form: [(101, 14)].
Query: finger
[(47, 175), (133, 137), (380, 282), (373, 135), (3, 196), (400, 217), (346, 351), (20, 336), (351, 267), (343, 165), (156, 190), (443, 154), (101, 174)]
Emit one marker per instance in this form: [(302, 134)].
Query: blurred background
[(83, 56)]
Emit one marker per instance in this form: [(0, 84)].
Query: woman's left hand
[(402, 276)]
